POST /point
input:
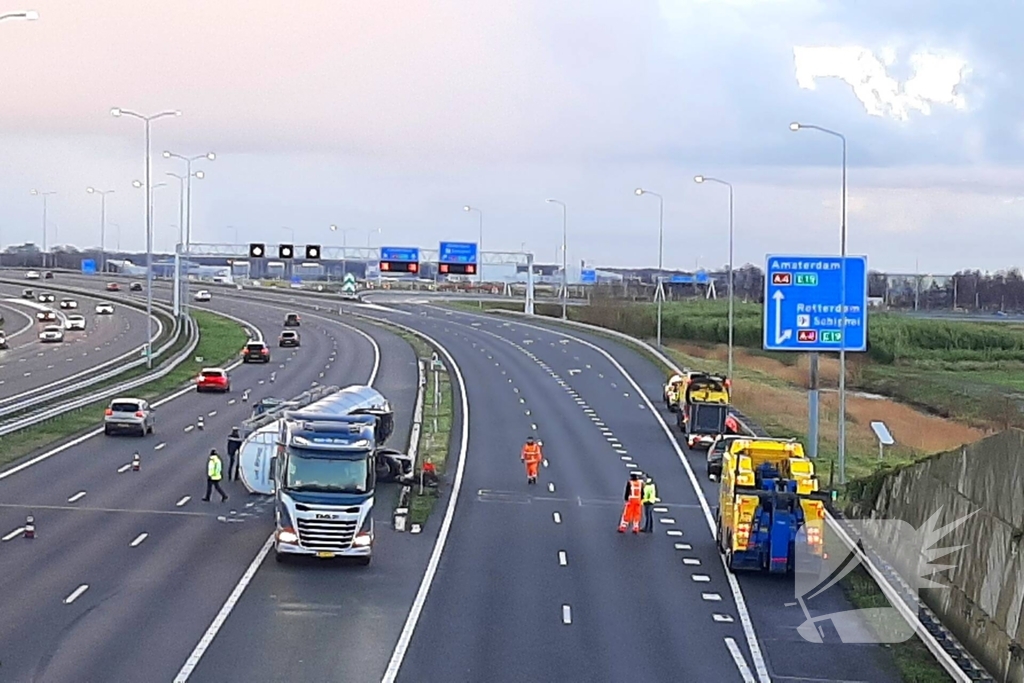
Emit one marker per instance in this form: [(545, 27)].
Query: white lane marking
[(674, 532), (660, 508), (722, 618), (667, 520), (741, 664), (225, 610), (551, 486), (75, 594), (683, 546), (190, 428), (77, 497), (562, 559), (711, 597), (184, 499), (261, 381), (545, 462), (555, 515), (533, 426), (701, 578), (566, 614), (691, 561), (138, 540), (20, 530), (211, 413), (232, 402), (621, 451), (124, 468), (625, 458), (631, 465), (527, 412), (159, 446)]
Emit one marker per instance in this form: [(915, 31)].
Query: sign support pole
[(812, 410)]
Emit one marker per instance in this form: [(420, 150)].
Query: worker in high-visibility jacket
[(531, 457), (214, 473), (631, 512), (649, 498)]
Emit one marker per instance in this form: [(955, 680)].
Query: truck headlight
[(287, 536), (363, 540)]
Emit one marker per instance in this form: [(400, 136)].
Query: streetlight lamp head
[(31, 15), (167, 154), (334, 228), (639, 191), (34, 192), (211, 156), (90, 190), (136, 183), (199, 174), (698, 179), (467, 207), (794, 126)]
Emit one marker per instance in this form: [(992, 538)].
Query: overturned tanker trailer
[(321, 455)]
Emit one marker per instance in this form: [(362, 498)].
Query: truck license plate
[(325, 554)]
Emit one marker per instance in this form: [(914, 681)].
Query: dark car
[(289, 338), (256, 352), (135, 287), (28, 294), (47, 275), (292, 320)]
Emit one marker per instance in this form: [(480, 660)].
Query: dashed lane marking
[(555, 515), (77, 497), (182, 501), (138, 540), (19, 531), (711, 597), (562, 559), (160, 446), (75, 594), (566, 614)]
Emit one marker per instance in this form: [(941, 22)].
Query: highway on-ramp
[(129, 569)]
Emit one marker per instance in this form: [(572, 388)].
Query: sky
[(386, 118)]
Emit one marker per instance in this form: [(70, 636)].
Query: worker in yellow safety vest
[(649, 498), (214, 473)]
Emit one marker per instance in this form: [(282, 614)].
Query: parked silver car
[(132, 415)]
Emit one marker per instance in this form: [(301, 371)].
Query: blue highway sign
[(802, 301), (88, 265), (588, 276), (406, 254), (457, 252)]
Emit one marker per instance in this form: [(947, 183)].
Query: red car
[(213, 379), (113, 287)]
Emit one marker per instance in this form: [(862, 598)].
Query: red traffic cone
[(30, 527), (136, 462)]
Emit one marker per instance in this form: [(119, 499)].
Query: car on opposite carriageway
[(289, 338)]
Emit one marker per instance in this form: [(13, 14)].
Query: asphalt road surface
[(129, 569)]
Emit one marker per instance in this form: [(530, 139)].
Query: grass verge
[(219, 342), (435, 440)]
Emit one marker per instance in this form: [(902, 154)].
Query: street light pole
[(178, 280), (44, 195), (181, 242), (565, 263), (103, 222), (842, 299), (705, 179), (659, 293), (118, 112), (480, 243)]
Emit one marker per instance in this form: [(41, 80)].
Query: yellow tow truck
[(769, 505)]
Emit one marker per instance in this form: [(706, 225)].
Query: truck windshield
[(334, 475)]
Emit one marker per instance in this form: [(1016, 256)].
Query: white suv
[(129, 415)]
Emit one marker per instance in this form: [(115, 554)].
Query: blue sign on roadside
[(88, 265), (457, 252), (588, 276), (802, 302), (296, 280), (404, 254)]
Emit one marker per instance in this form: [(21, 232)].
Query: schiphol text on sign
[(802, 302), (457, 252), (402, 254)]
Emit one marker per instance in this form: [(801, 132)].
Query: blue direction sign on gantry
[(402, 254), (588, 276), (802, 302), (88, 265), (457, 252)]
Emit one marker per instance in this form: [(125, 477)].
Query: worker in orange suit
[(531, 457), (634, 496)]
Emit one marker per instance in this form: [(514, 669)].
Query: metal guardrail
[(948, 652), (64, 385), (37, 417)]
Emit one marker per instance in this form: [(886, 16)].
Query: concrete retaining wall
[(984, 602)]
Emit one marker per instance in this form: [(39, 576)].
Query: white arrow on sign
[(781, 335)]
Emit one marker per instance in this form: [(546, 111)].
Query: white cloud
[(936, 79)]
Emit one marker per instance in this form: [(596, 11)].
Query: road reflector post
[(136, 462), (30, 527)]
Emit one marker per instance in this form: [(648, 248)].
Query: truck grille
[(326, 534)]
